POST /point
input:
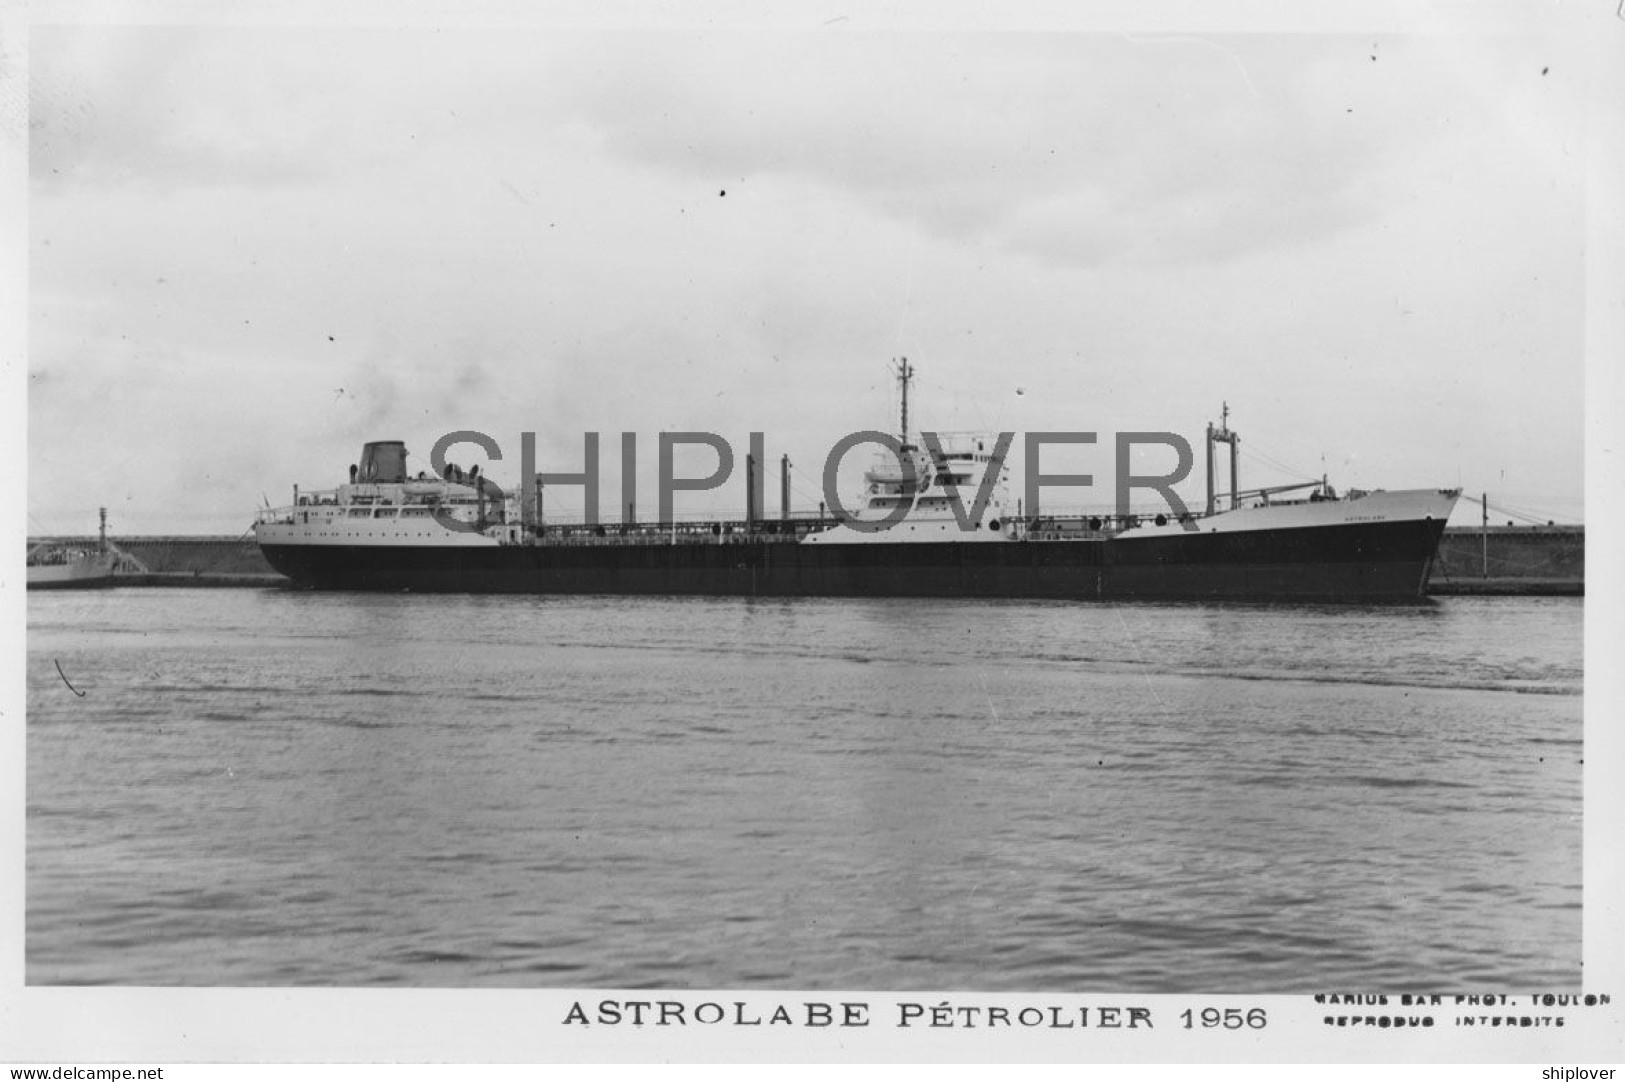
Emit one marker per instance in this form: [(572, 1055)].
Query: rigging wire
[(1251, 449), (972, 404), (798, 490), (1532, 519)]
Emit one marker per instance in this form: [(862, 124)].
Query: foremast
[(905, 374)]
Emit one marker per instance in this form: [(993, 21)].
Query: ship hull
[(1386, 561)]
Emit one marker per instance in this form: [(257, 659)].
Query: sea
[(266, 787)]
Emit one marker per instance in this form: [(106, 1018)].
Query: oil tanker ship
[(911, 536)]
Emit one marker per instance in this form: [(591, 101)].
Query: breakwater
[(182, 560), (1501, 560), (1510, 560)]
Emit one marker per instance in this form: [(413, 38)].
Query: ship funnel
[(383, 463)]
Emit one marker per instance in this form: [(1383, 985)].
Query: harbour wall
[(182, 560), (1510, 559), (195, 555)]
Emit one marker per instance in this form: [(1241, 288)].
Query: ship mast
[(102, 545), (1222, 434), (905, 372)]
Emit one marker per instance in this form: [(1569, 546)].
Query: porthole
[(994, 525), (1162, 520)]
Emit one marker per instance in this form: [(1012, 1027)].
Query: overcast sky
[(252, 249)]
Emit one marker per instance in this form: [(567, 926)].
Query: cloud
[(517, 232), (134, 106), (264, 107), (1078, 149), (1081, 150)]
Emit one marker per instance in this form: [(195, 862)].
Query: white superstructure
[(918, 495), (382, 506)]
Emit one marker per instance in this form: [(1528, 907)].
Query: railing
[(723, 531), (682, 532)]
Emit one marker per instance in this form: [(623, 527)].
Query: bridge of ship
[(377, 501)]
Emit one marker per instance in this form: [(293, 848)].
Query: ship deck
[(1075, 528)]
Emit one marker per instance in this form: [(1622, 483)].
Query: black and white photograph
[(693, 533)]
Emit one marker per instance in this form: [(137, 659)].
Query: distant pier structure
[(182, 560), (1510, 560)]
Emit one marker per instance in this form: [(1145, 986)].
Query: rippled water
[(284, 788)]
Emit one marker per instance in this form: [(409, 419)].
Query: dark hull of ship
[(1360, 562)]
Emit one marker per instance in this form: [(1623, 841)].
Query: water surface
[(269, 787)]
